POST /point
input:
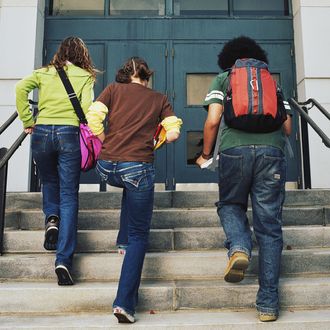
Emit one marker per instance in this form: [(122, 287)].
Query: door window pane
[(194, 146), (78, 7), (137, 7), (200, 7), (197, 87), (261, 7)]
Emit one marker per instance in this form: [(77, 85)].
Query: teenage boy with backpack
[(251, 162)]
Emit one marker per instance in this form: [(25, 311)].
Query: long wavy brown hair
[(74, 50)]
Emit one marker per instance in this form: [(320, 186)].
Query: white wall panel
[(315, 32), (21, 38)]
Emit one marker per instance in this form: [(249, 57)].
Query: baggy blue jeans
[(258, 171), (56, 151), (137, 179)]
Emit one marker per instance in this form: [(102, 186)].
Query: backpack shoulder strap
[(72, 96)]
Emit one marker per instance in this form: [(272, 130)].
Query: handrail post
[(3, 185), (305, 152)]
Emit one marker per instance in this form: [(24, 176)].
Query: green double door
[(183, 71)]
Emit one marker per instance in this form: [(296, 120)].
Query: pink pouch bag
[(90, 146)]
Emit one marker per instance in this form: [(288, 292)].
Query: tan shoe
[(267, 317), (237, 265)]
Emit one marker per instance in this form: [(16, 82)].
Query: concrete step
[(49, 298), (158, 265), (180, 199), (31, 241), (167, 218), (178, 320)]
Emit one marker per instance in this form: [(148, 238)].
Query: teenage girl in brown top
[(126, 161)]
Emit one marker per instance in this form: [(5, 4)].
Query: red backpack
[(253, 102)]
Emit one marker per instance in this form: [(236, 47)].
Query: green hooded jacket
[(54, 105)]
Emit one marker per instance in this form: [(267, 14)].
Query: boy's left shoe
[(236, 267), (63, 275)]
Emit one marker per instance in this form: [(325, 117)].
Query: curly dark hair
[(73, 49), (135, 66), (240, 47)]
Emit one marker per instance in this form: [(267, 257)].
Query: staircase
[(182, 287)]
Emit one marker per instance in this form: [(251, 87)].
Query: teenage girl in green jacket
[(55, 144)]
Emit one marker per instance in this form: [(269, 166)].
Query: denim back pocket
[(139, 180), (230, 168), (39, 140), (68, 139), (102, 172)]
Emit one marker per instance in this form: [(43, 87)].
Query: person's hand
[(29, 130), (201, 160), (172, 136)]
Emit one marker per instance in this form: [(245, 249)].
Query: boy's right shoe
[(267, 317), (122, 315), (237, 265), (51, 233), (63, 275)]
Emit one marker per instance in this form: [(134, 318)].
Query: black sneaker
[(51, 233), (63, 275)]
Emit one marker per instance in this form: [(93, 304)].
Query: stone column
[(21, 42), (312, 48)]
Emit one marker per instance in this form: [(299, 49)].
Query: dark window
[(261, 7), (138, 8), (200, 7), (194, 146)]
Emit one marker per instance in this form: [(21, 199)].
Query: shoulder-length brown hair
[(74, 50), (136, 67)]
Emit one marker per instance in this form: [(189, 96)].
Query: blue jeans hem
[(235, 249), (268, 310)]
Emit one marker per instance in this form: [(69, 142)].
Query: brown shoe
[(267, 317), (236, 267)]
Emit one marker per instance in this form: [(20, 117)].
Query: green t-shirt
[(231, 137)]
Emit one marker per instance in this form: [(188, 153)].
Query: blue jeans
[(137, 179), (56, 151), (258, 171)]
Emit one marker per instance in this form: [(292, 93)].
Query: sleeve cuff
[(172, 124), (29, 123)]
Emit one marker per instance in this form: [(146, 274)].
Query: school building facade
[(180, 40)]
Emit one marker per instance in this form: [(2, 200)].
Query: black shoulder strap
[(72, 96)]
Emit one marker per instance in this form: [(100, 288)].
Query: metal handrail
[(317, 104), (5, 155), (308, 119), (8, 122)]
